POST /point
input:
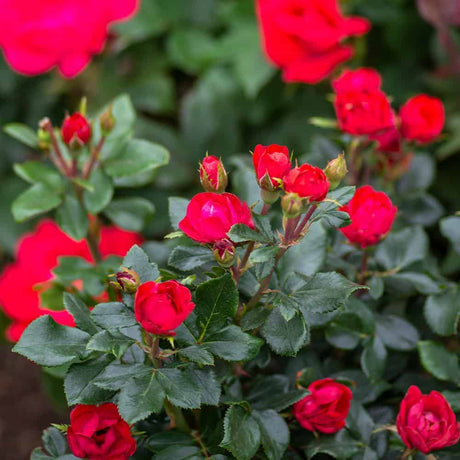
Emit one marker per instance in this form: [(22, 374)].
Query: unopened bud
[(76, 131), (213, 176), (44, 139), (268, 196), (336, 170), (107, 121), (293, 205), (127, 280), (224, 253)]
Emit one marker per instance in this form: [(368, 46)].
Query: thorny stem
[(362, 276), (197, 437), (95, 152), (305, 221), (59, 160)]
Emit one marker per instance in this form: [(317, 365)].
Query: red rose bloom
[(363, 79), (422, 118), (304, 37), (372, 214), (326, 408), (271, 163), (308, 182), (99, 433), (38, 35), (162, 307), (213, 176), (210, 216), (427, 422), (37, 256), (76, 130)]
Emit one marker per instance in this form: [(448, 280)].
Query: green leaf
[(98, 200), (453, 398), (232, 344), (274, 433), (36, 200), (187, 258), (140, 397), (130, 213), (139, 156), (241, 433), (340, 446), (49, 344), (79, 382), (180, 453), (177, 210), (113, 315), (164, 439), (359, 422), (22, 133), (241, 233), (180, 388), (216, 302), (206, 381), (442, 312), (285, 337), (54, 441), (450, 228), (139, 261), (373, 358), (80, 312), (112, 342), (396, 333), (342, 337), (72, 218), (254, 318), (116, 375), (197, 354), (438, 361), (400, 249), (36, 172)]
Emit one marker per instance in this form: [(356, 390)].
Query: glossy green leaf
[(186, 258), (36, 172), (274, 433), (72, 218), (80, 312), (36, 200), (22, 133), (396, 333), (438, 361), (130, 213), (98, 199), (442, 312), (139, 261), (180, 388), (113, 315), (373, 358)]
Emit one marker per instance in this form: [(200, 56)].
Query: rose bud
[(213, 176), (161, 307), (107, 121), (210, 216), (325, 408), (293, 205), (372, 214), (98, 432), (363, 79), (76, 131), (271, 164), (427, 422), (308, 182), (336, 170), (224, 253), (422, 119), (127, 280)]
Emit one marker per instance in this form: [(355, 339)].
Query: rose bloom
[(305, 37), (76, 130), (326, 408), (213, 176), (162, 307), (422, 118), (308, 182), (38, 35), (271, 163), (372, 214), (362, 79), (37, 255), (99, 433), (210, 216), (427, 422)]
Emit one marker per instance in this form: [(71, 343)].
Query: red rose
[(363, 112), (99, 433), (44, 246), (210, 216), (326, 408), (422, 118), (38, 35), (388, 141), (308, 182), (213, 176), (372, 214), (76, 130), (427, 422), (363, 79), (304, 37), (162, 307), (271, 163)]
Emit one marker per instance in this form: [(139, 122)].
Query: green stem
[(95, 152), (59, 159), (177, 417)]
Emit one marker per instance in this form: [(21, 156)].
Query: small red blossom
[(213, 176), (76, 130), (363, 79), (271, 163), (307, 182)]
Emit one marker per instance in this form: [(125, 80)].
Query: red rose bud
[(76, 130), (98, 432), (224, 253), (127, 280), (363, 79), (336, 170), (271, 164), (372, 214), (422, 119), (161, 307), (388, 141), (427, 422), (326, 408), (308, 182), (107, 121), (213, 176), (210, 216)]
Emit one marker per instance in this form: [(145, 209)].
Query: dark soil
[(25, 409)]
